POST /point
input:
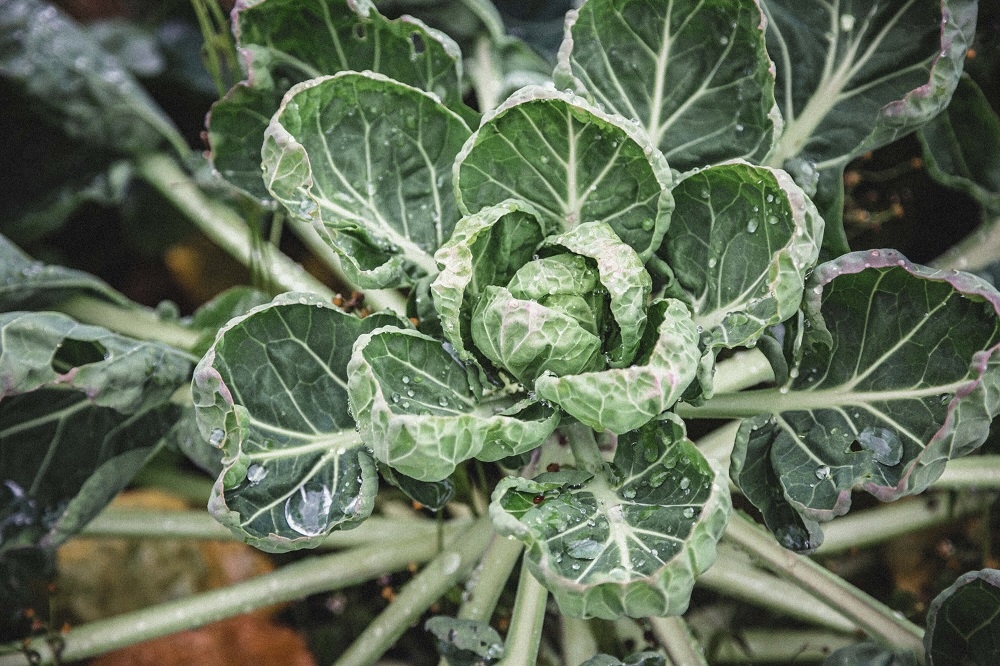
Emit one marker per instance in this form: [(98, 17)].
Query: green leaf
[(695, 75), (272, 394), (896, 374), (870, 653), (631, 539), (74, 83), (422, 411), (855, 76), (572, 162), (622, 399), (215, 314), (742, 241), (368, 160), (646, 658), (962, 625), (485, 249), (466, 642), (285, 42), (962, 145), (81, 409), (434, 495)]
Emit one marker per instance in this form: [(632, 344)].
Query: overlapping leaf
[(466, 642), (572, 162), (368, 160), (897, 373), (629, 540), (695, 75), (742, 241), (422, 411), (285, 42), (853, 76), (961, 621), (272, 394)]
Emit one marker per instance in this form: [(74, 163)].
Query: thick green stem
[(223, 225), (731, 405), (743, 370), (444, 571), (717, 445), (770, 646), (677, 641), (490, 578), (525, 632), (582, 442), (971, 473), (871, 615), (578, 642), (139, 323), (293, 581)]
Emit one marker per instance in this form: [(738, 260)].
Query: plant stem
[(486, 75), (525, 633), (769, 646), (717, 445), (871, 615), (977, 250), (490, 578), (972, 472), (731, 405), (743, 370), (733, 576), (293, 581), (677, 641), (222, 224), (584, 447), (444, 571), (578, 642), (140, 323)]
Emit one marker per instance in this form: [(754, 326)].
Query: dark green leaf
[(633, 538), (369, 162), (466, 642), (432, 494), (962, 624), (694, 75), (647, 658), (870, 654), (272, 394), (212, 316)]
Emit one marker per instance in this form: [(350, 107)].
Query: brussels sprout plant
[(569, 266)]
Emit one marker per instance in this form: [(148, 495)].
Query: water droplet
[(308, 511), (885, 445), (628, 493), (647, 225), (450, 563), (584, 549), (657, 478), (723, 40), (689, 512), (215, 439), (256, 474), (443, 401), (685, 483), (395, 397), (752, 225), (618, 573), (945, 398), (406, 379), (847, 22), (772, 219), (405, 405), (410, 393), (712, 262), (739, 127), (770, 198), (822, 472)]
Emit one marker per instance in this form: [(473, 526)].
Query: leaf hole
[(360, 32), (417, 42), (856, 447), (72, 353)]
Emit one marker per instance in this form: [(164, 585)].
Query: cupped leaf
[(81, 409), (486, 248), (962, 145), (742, 241), (622, 399), (431, 494), (572, 162), (631, 539), (422, 411), (284, 42), (962, 625), (368, 160), (896, 374), (272, 394), (854, 76), (870, 653), (466, 642), (695, 75), (622, 275)]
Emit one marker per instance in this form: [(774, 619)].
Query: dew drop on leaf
[(308, 511), (685, 483), (689, 512), (256, 474), (584, 549), (885, 445), (657, 478), (822, 472), (752, 225), (215, 439)]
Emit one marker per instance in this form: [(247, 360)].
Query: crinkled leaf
[(741, 243), (81, 409), (962, 145), (285, 42), (368, 161), (622, 399), (897, 374), (272, 394), (431, 494), (466, 642), (870, 653), (962, 626), (486, 248), (647, 658), (695, 75), (622, 275), (572, 162), (631, 539), (74, 83), (421, 410), (853, 76)]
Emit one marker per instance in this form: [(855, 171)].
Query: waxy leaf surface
[(853, 76), (572, 162), (466, 642), (422, 411), (896, 374), (284, 42), (695, 75), (742, 240), (628, 540), (962, 625), (272, 394), (369, 162)]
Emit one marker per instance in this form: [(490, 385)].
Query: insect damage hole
[(72, 353)]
